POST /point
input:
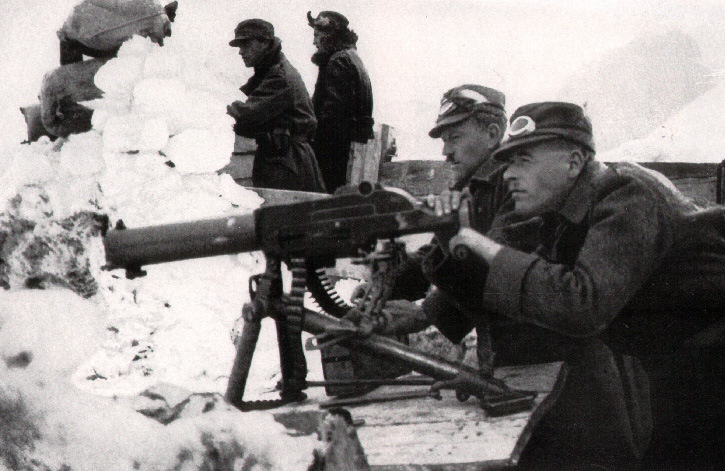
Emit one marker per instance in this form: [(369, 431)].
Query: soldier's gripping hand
[(484, 247), (445, 203), (403, 317)]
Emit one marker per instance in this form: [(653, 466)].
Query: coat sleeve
[(264, 104), (628, 236)]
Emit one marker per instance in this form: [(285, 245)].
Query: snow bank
[(72, 369), (633, 90), (694, 134), (154, 102), (49, 424)]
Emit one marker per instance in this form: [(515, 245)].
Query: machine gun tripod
[(305, 235)]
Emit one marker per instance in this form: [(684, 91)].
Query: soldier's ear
[(577, 161), (495, 133)]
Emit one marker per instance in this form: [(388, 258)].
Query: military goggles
[(463, 100)]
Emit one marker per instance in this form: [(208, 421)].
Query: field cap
[(464, 101), (537, 122), (252, 29)]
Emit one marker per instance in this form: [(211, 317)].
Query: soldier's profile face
[(252, 51), (538, 178), (317, 40), (467, 144)]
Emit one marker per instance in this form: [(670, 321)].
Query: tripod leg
[(289, 336)]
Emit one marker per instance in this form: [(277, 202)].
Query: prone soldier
[(624, 286)]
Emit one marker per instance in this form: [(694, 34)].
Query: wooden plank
[(446, 435), (696, 180), (364, 162), (365, 159)]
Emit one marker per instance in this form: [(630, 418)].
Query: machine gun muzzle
[(133, 248)]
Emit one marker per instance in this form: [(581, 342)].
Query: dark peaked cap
[(538, 122), (252, 29)]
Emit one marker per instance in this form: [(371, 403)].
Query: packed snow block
[(61, 93), (199, 150), (103, 25), (34, 122)]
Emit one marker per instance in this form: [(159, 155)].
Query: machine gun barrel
[(337, 226), (134, 248)]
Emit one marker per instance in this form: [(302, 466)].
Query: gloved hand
[(238, 128), (398, 317), (232, 109), (403, 317)]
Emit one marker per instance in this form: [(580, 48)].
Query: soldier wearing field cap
[(471, 123), (343, 97), (625, 286), (277, 113)]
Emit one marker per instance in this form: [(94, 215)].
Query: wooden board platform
[(427, 434)]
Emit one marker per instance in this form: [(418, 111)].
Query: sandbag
[(103, 25), (60, 94), (34, 122)]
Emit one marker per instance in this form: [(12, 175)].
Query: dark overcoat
[(278, 114), (343, 104)]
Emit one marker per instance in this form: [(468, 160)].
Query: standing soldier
[(277, 114), (343, 97)]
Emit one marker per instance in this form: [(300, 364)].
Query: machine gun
[(308, 236)]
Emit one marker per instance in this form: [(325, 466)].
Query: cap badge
[(522, 125)]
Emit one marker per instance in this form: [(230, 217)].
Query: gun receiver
[(339, 226), (348, 224)]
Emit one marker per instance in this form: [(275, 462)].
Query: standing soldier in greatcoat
[(277, 114), (343, 97)]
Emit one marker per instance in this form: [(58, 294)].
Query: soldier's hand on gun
[(482, 246), (445, 203)]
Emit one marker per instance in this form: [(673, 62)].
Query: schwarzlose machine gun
[(308, 236)]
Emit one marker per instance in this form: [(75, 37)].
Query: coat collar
[(579, 201), (486, 171)]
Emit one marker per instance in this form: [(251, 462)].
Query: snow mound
[(694, 134), (633, 90), (49, 424), (153, 102)]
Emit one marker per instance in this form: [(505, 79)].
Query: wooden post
[(365, 159), (241, 162)]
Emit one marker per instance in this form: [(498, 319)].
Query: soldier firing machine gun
[(309, 236)]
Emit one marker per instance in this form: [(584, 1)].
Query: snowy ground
[(77, 355)]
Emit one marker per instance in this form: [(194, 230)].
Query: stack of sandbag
[(61, 93), (95, 28), (99, 27)]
